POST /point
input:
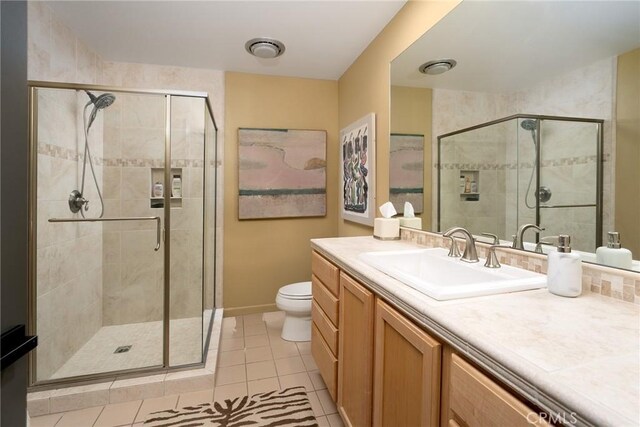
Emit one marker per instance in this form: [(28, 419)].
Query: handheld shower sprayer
[(77, 201), (99, 102)]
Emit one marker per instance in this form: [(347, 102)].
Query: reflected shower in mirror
[(591, 55), (545, 167)]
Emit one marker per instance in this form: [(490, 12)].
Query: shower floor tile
[(145, 339)]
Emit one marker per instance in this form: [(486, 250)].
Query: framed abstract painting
[(406, 171), (282, 173), (357, 170)]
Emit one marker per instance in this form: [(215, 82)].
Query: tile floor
[(252, 359)]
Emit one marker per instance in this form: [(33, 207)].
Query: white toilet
[(295, 301)]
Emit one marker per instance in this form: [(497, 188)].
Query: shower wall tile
[(142, 143), (39, 39), (143, 111), (86, 61), (112, 182), (63, 47), (54, 52), (136, 183)]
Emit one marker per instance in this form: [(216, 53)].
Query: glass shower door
[(187, 230), (100, 274), (569, 178)]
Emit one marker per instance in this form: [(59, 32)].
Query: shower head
[(529, 124), (99, 102)]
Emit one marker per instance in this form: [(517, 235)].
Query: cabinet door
[(355, 353), (407, 367), (476, 400)]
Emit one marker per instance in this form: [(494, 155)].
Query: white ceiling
[(322, 38), (504, 46)]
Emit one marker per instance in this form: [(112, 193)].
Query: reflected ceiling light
[(438, 66), (263, 47)]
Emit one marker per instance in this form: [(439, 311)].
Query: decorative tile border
[(618, 284), (69, 154), (65, 153), (568, 161)]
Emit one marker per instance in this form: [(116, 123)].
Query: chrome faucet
[(470, 254), (518, 243)]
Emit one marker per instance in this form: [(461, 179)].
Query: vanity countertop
[(567, 355)]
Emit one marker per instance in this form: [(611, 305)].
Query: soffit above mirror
[(518, 44)]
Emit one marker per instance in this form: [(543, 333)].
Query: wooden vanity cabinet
[(470, 398), (355, 359), (325, 286), (383, 370), (407, 372)]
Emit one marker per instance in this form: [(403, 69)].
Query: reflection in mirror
[(523, 170), (406, 184), (583, 62)]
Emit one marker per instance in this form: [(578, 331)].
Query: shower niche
[(470, 185), (159, 189), (139, 273)]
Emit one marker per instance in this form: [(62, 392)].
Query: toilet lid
[(301, 290)]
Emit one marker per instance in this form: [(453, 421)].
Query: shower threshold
[(127, 388)]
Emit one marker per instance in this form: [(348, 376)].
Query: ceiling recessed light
[(263, 47), (438, 66)]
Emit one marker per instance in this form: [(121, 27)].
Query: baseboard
[(251, 309)]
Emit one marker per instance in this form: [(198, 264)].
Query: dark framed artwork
[(357, 170)]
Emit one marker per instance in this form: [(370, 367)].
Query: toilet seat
[(296, 291)]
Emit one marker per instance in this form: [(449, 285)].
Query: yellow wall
[(364, 87), (627, 184), (411, 114), (260, 256)]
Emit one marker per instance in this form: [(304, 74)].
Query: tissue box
[(411, 223), (386, 228)]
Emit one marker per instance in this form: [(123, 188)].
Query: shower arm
[(132, 218)]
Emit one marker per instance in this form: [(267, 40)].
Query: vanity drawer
[(325, 327), (326, 272), (475, 399), (326, 361), (325, 299)]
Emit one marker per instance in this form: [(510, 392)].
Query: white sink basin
[(433, 273)]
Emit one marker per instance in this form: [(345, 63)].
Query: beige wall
[(411, 114), (364, 87), (260, 256), (627, 156)]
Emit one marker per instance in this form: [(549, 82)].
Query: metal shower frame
[(34, 384)]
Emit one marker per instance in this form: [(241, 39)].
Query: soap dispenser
[(564, 271), (613, 254)]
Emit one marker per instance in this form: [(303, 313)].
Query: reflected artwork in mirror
[(537, 167)]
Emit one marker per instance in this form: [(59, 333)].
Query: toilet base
[(296, 328)]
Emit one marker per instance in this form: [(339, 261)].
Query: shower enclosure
[(543, 170), (122, 230)]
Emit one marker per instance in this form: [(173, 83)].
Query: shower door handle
[(131, 218)]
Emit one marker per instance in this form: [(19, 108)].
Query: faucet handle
[(496, 239), (492, 258), (454, 251)]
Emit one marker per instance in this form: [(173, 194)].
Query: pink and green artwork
[(406, 168), (282, 173)]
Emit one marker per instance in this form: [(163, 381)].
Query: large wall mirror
[(538, 121)]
